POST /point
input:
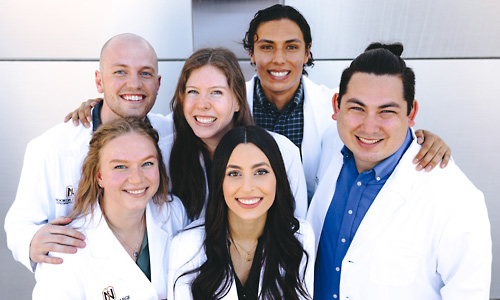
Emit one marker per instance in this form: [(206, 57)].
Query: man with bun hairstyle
[(383, 229)]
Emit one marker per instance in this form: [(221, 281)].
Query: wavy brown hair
[(88, 191), (186, 172)]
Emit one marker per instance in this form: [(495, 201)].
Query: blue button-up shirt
[(354, 194)]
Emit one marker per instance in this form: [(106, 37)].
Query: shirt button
[(337, 269), (378, 178), (343, 240), (359, 183), (349, 212), (335, 296)]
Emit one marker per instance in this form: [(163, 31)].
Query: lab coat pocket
[(394, 263)]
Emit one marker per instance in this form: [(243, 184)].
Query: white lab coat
[(426, 235), (318, 112), (50, 176), (187, 253), (291, 159), (104, 264)]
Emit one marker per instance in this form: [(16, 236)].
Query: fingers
[(433, 151), (60, 221), (68, 117), (82, 112), (53, 237)]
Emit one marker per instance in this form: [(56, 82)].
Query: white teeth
[(132, 97), (248, 201), (279, 74), (205, 120), (136, 191), (368, 141)]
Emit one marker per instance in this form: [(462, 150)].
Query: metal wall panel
[(427, 28), (61, 29), (224, 22)]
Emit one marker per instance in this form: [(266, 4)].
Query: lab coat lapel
[(324, 195), (313, 121), (157, 248), (250, 87), (390, 198), (115, 260)]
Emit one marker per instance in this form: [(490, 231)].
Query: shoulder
[(312, 87), (188, 244), (172, 212), (305, 232), (441, 187), (163, 124), (283, 142), (61, 140), (63, 134)]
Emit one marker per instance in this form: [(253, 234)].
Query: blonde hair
[(88, 191)]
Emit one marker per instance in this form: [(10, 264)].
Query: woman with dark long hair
[(250, 246)]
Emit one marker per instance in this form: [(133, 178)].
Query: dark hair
[(382, 59), (186, 172), (281, 250), (275, 13), (88, 189)]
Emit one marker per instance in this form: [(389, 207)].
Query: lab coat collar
[(393, 194), (106, 247)]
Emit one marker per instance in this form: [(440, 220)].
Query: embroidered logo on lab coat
[(69, 197), (109, 294)]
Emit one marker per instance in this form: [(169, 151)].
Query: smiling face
[(209, 105), (372, 120), (249, 185), (279, 55), (129, 174), (128, 78)]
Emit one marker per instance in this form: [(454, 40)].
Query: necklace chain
[(248, 256), (141, 237)]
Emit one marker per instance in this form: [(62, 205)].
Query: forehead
[(247, 155), (130, 53), (138, 147), (209, 75), (371, 88), (279, 30)]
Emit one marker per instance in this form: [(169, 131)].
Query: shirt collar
[(298, 97), (96, 116), (385, 167)]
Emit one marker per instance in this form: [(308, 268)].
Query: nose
[(203, 102), (248, 184), (135, 175), (279, 56), (133, 81), (370, 124)]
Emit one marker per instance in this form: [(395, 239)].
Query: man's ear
[(159, 83), (98, 82), (335, 105), (252, 58), (413, 114)]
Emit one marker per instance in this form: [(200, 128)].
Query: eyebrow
[(122, 160), (272, 42), (358, 102), (253, 167), (127, 66), (211, 87)]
